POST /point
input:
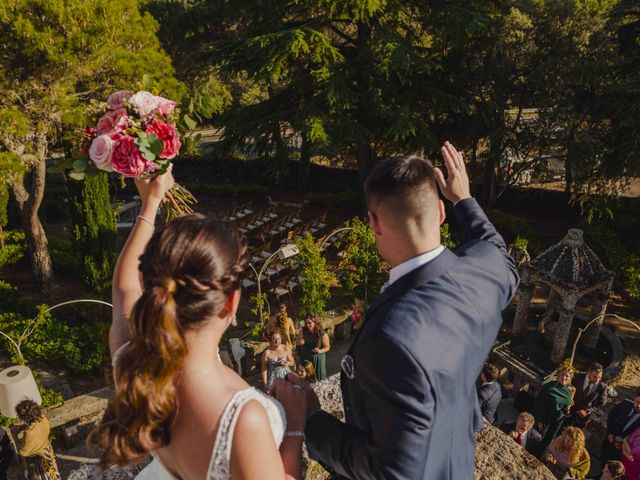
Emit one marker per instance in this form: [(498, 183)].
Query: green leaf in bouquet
[(156, 145), (77, 175), (79, 166), (148, 155), (190, 122)]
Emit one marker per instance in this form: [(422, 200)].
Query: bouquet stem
[(178, 202)]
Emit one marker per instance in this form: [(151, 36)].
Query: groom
[(408, 380)]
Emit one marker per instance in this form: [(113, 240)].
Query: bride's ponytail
[(188, 271)]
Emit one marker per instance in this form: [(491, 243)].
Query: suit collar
[(411, 280), (415, 278)]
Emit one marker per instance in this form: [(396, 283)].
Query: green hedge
[(15, 247)]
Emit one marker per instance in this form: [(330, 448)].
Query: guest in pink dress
[(631, 455)]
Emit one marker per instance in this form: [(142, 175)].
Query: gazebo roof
[(570, 264)]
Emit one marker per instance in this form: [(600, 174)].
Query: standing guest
[(522, 431), (32, 442), (315, 344), (552, 405), (623, 419), (409, 377), (283, 323), (6, 453), (175, 293), (567, 455), (613, 470), (307, 372), (276, 360), (490, 392), (591, 394), (631, 454)]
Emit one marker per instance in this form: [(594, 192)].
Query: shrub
[(80, 348), (64, 259), (9, 298), (94, 230), (509, 224), (363, 270), (615, 255), (316, 281), (14, 248)]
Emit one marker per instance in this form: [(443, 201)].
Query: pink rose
[(128, 160), (113, 122), (169, 137), (101, 152), (116, 100), (144, 103), (165, 107)]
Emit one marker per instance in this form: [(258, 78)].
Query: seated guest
[(567, 455), (631, 455), (307, 372), (276, 360), (613, 470), (623, 419), (591, 394), (552, 406), (31, 437), (490, 392), (522, 431)]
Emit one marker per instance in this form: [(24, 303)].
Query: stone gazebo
[(571, 270)]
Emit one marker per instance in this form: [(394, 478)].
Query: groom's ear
[(374, 220), (443, 214)]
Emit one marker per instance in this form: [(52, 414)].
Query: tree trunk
[(28, 205), (363, 149), (305, 164)]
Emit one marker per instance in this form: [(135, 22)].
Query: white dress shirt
[(413, 263)]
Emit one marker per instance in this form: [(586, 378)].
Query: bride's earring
[(234, 321)]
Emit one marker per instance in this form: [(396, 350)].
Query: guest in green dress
[(314, 344), (552, 405)]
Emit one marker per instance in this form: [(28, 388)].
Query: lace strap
[(220, 465)]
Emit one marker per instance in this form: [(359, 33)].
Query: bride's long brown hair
[(188, 271)]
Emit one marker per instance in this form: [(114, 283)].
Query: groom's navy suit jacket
[(410, 397)]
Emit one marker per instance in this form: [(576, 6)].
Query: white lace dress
[(220, 463)]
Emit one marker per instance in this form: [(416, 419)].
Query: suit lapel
[(413, 279)]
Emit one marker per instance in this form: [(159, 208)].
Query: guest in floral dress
[(277, 360)]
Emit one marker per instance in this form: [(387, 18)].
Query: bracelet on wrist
[(147, 221), (295, 433)]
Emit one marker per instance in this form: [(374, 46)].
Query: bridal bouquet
[(135, 135)]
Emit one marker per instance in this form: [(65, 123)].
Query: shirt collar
[(413, 263)]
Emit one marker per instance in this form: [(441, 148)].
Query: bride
[(175, 292)]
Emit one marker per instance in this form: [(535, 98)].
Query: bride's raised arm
[(126, 285)]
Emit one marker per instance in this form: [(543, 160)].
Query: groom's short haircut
[(405, 184)]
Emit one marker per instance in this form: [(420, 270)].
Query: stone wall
[(497, 456)]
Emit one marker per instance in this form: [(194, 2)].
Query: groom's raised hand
[(456, 186)]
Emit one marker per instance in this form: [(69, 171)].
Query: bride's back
[(202, 399), (171, 389)]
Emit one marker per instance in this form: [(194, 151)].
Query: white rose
[(144, 103), (101, 151)]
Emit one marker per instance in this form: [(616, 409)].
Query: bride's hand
[(154, 189), (294, 401)]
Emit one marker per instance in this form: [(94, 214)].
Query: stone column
[(567, 311), (598, 311), (522, 311)]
